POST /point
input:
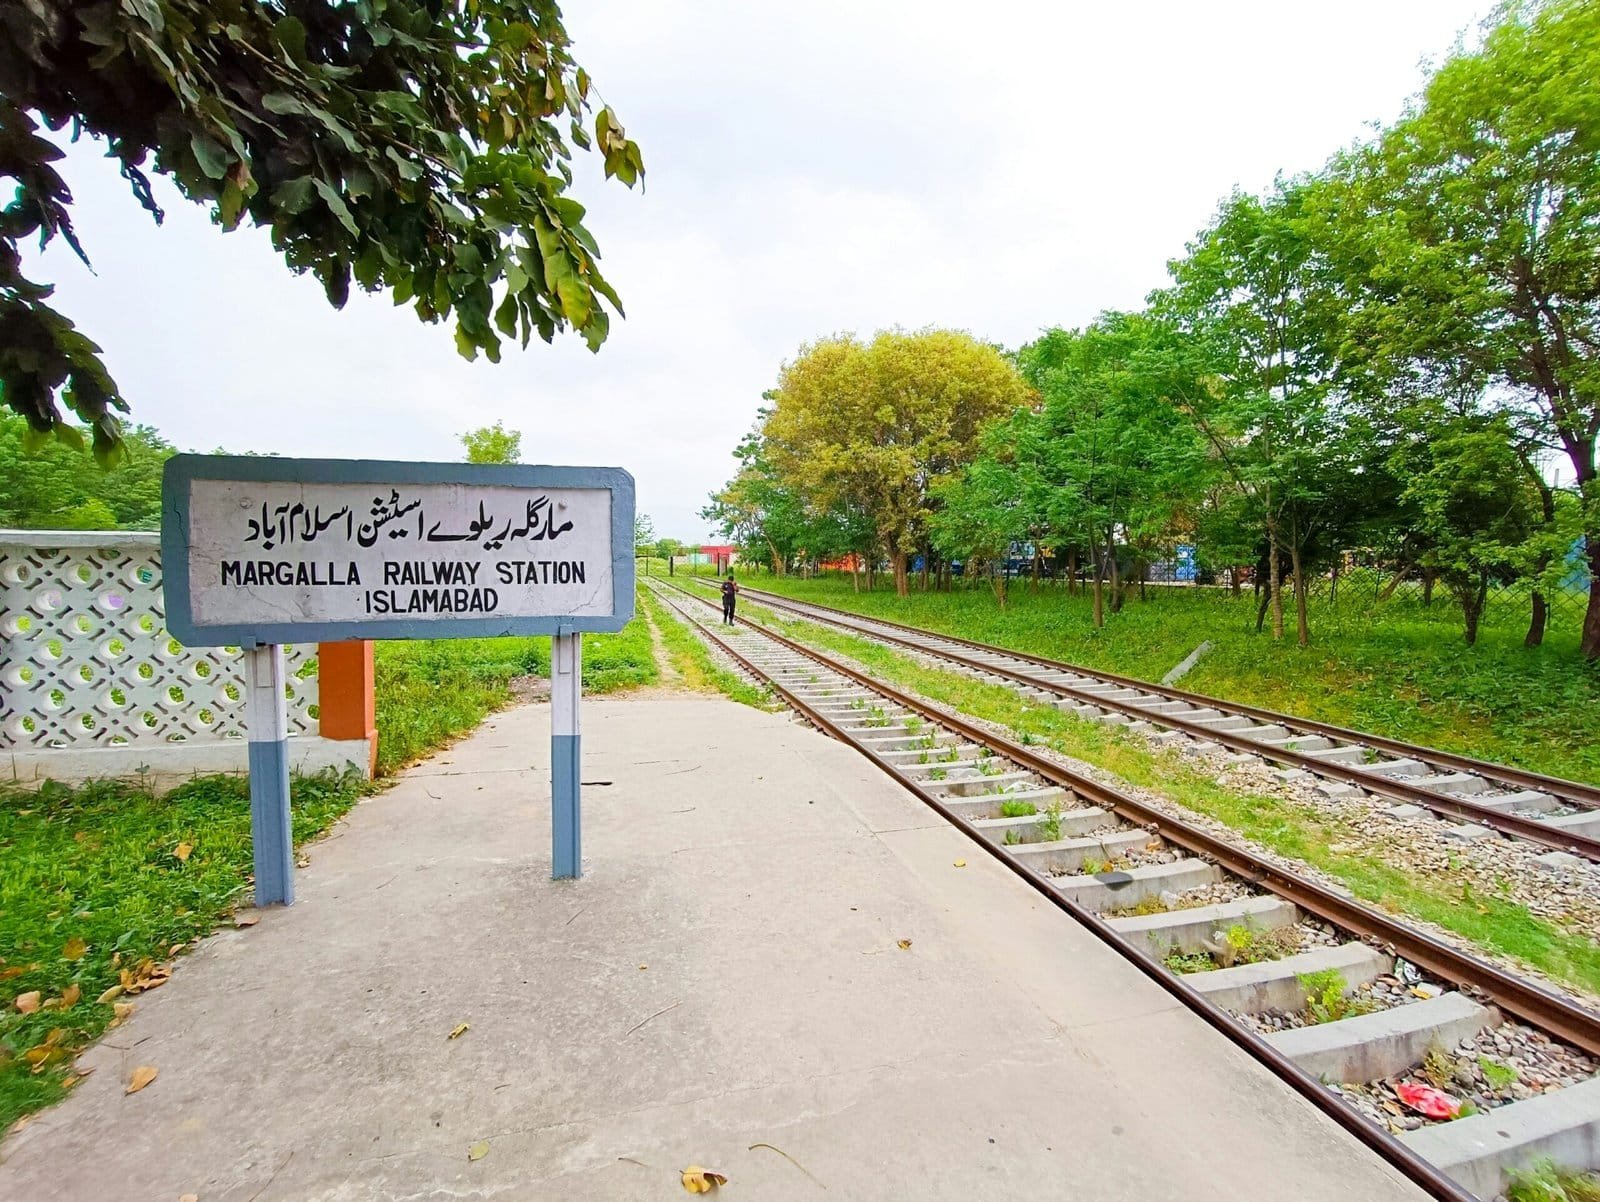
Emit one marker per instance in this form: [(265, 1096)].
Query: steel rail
[(1577, 792), (1395, 788), (1566, 1019), (1429, 1178)]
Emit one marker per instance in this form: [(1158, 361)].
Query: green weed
[(1496, 1075), (1547, 1182), (1017, 809), (1328, 998), (93, 883)]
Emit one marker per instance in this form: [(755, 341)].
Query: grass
[(1292, 828), (1398, 668), (93, 885), (104, 878), (689, 655), (431, 691), (1546, 1182)]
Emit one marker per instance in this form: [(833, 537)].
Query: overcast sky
[(817, 168)]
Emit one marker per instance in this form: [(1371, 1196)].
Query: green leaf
[(576, 300), (336, 205), (209, 154), (465, 346), (290, 34), (505, 317), (231, 207), (294, 195)]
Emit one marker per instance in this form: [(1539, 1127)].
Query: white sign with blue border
[(267, 550), (258, 551)]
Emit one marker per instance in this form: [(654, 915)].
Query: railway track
[(1559, 814), (1233, 936)]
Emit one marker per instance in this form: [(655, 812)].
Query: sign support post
[(271, 831), (566, 813)]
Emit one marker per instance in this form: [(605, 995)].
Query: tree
[(493, 444), (60, 487), (983, 512), (413, 146), (644, 533), (877, 427), (1473, 226), (1255, 291), (1478, 509), (1114, 446)]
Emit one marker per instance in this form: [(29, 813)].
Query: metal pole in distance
[(267, 722), (566, 815)]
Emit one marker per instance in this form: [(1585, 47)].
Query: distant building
[(721, 555)]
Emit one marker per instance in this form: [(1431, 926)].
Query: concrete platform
[(723, 984)]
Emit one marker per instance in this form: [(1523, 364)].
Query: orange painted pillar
[(347, 701)]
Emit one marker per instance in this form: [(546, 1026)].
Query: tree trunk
[(998, 580), (1116, 576), (1099, 599), (1536, 620), (1427, 588), (855, 574), (927, 563), (1274, 585), (1472, 599), (1301, 628), (902, 581), (1395, 581), (1333, 585), (1072, 572), (1589, 642), (1233, 581)]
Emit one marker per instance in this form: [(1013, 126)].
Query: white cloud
[(817, 168)]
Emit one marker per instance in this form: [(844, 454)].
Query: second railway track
[(1559, 814), (1169, 895)]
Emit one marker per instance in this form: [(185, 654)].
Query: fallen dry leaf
[(28, 1002), (47, 1052), (122, 1010), (904, 945), (142, 1076), (247, 918), (70, 997), (701, 1181), (190, 1198), (478, 1150), (181, 852), (75, 948), (174, 949), (110, 995), (16, 970), (961, 863), (460, 1030)]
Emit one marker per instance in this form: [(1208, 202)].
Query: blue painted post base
[(270, 827), (566, 844)]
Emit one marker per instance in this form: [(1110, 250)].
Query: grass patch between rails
[(1288, 827), (97, 880), (690, 656), (1398, 669)]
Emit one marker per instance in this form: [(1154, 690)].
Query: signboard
[(266, 550), (257, 552)]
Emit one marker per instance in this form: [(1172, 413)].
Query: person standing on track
[(730, 597)]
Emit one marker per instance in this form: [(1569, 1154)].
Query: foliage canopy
[(419, 147)]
